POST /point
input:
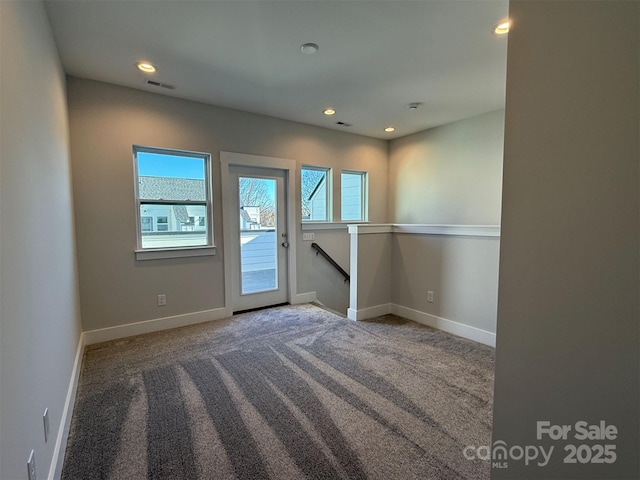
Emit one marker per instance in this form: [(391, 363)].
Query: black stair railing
[(320, 251)]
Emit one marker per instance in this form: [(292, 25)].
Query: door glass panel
[(258, 236)]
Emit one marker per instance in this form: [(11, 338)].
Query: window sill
[(329, 225), (183, 252)]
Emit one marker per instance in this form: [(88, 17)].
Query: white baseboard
[(299, 298), (460, 329), (57, 460), (154, 325), (369, 312)]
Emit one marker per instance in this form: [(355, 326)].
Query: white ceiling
[(375, 57)]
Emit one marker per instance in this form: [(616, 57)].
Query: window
[(162, 224), (146, 224), (173, 197), (353, 204), (316, 194)]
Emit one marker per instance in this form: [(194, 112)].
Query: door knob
[(285, 244)]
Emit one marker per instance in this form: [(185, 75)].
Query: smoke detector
[(309, 48)]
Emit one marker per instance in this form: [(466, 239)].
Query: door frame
[(289, 166)]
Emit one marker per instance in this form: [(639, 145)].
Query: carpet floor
[(294, 392)]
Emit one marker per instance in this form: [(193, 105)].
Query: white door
[(259, 237)]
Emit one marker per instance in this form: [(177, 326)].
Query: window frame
[(146, 253), (328, 171), (364, 195)]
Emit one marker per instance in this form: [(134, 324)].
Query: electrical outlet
[(45, 421), (308, 236), (430, 296), (31, 466), (162, 300)]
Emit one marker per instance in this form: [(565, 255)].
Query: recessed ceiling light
[(390, 129), (309, 48), (502, 28), (146, 67), (329, 111)]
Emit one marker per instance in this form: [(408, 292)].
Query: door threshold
[(260, 308)]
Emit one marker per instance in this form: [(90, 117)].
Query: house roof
[(315, 189), (166, 188), (245, 215)]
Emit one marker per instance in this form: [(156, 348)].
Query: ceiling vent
[(343, 124), (160, 84)]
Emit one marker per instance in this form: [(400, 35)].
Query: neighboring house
[(249, 218), (351, 193), (171, 218), (317, 201)]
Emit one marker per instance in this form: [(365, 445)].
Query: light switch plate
[(162, 300)]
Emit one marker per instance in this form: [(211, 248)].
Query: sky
[(158, 165)]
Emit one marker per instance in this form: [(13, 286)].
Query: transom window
[(173, 198)]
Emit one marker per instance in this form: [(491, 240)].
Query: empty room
[(319, 239)]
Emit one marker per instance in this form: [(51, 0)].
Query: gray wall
[(568, 319), (461, 271), (39, 319), (106, 120), (450, 174)]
